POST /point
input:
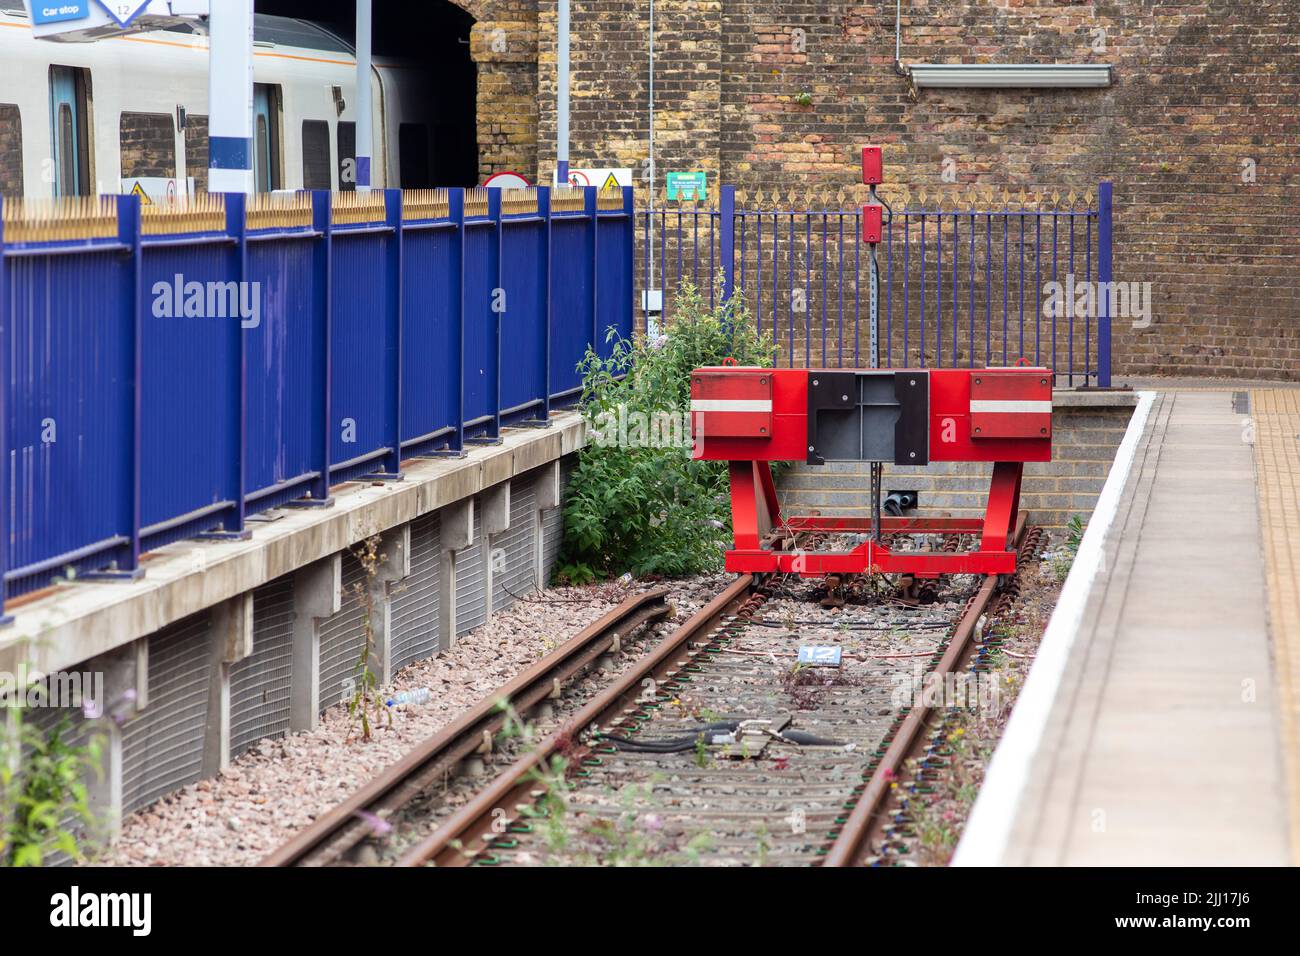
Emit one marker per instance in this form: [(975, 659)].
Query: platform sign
[(123, 12), (157, 189), (686, 187), (506, 180), (86, 20), (820, 655), (601, 178), (49, 11)]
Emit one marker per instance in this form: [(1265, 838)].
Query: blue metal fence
[(961, 282), (166, 372)]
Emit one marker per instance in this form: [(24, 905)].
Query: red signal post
[(872, 175), (872, 166)]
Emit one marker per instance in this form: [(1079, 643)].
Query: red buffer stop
[(751, 417)]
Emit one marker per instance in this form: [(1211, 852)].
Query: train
[(129, 114)]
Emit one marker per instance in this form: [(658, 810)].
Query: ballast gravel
[(282, 785)]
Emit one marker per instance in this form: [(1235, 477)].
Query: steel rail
[(852, 843), (469, 831), (346, 825)]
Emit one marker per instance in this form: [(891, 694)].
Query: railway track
[(334, 836), (710, 748)]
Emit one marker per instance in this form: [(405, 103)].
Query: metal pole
[(364, 132), (562, 97), (898, 39), (1105, 273), (651, 328), (877, 468), (230, 97)]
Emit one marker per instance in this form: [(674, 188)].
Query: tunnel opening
[(434, 35)]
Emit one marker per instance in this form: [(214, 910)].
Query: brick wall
[(196, 151), (1198, 132), (11, 152), (148, 143), (1086, 430), (503, 46), (609, 59)]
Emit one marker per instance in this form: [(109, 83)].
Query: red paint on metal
[(872, 166), (734, 402), (1011, 404), (734, 436), (871, 224)]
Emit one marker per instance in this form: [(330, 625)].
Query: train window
[(347, 135), (70, 140), (11, 151), (148, 144), (315, 154), (266, 137), (413, 148), (196, 151)]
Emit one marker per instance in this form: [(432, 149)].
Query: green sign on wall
[(686, 186)]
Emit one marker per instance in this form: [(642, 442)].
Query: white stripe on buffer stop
[(992, 405), (731, 405)]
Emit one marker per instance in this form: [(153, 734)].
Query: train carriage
[(95, 118)]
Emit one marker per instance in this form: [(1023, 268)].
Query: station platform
[(1160, 723)]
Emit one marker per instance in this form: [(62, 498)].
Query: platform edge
[(988, 830)]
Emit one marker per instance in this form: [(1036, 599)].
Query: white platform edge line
[(988, 830)]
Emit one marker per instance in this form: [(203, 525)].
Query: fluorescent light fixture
[(1008, 75)]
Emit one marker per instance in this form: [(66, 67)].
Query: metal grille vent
[(342, 636), (552, 538), (514, 550), (260, 683), (162, 748), (471, 588), (553, 523), (415, 601)]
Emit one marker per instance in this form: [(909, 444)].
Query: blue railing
[(143, 401), (959, 286)]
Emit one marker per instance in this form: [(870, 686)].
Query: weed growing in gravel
[(638, 501), (1063, 560), (806, 684), (701, 753), (935, 829), (764, 844), (365, 685), (551, 810)]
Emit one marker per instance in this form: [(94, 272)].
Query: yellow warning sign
[(610, 182), (138, 190)]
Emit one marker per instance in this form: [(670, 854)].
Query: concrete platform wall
[(260, 636), (1087, 428)]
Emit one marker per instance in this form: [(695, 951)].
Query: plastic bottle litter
[(626, 579), (421, 695)]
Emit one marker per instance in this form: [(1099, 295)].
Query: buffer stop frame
[(751, 417)]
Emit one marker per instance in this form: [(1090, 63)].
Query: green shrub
[(41, 787), (637, 501)]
